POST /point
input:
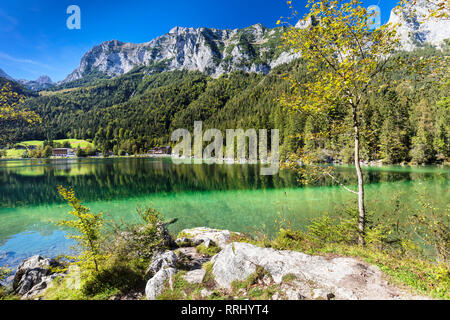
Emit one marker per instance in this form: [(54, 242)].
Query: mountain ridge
[(416, 27), (208, 50), (252, 49), (41, 83), (218, 51)]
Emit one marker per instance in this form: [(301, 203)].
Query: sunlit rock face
[(253, 49), (417, 28), (211, 51)]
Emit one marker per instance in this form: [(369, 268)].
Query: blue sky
[(34, 39)]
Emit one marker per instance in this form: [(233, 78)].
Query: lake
[(228, 196)]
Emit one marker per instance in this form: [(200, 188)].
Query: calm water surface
[(231, 197)]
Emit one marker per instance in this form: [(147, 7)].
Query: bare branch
[(340, 183)]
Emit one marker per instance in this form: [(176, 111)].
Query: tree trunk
[(362, 209)]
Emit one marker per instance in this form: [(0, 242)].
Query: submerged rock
[(315, 277), (34, 275)]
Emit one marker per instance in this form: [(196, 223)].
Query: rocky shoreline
[(210, 262)]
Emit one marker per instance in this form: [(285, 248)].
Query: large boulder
[(195, 276), (315, 276), (34, 275), (155, 285), (205, 236)]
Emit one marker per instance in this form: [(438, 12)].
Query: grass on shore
[(405, 265)]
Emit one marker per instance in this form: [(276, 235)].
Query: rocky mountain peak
[(416, 27), (182, 30), (252, 49), (44, 79), (208, 50), (41, 83)]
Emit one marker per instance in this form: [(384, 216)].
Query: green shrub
[(4, 272), (142, 240), (111, 263), (288, 238), (432, 226), (88, 226)]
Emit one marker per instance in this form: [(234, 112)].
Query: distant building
[(63, 152), (161, 150)]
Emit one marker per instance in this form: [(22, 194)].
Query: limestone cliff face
[(211, 51), (415, 29), (215, 52)]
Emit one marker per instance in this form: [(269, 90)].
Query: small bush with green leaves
[(142, 240), (3, 274), (110, 263), (88, 226)]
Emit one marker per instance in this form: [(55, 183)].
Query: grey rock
[(184, 242), (207, 236), (133, 295), (34, 275), (415, 29), (44, 283), (208, 50), (322, 294), (166, 259), (346, 278), (267, 280), (155, 285), (292, 293), (191, 258), (208, 242), (195, 276), (206, 293), (216, 52)]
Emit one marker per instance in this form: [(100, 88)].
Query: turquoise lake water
[(234, 197)]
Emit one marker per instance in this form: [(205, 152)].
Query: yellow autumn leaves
[(11, 107)]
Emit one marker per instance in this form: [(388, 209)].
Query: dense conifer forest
[(139, 110)]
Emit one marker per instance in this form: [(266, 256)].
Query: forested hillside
[(137, 111)]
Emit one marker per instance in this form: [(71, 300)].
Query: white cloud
[(11, 22), (24, 61)]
